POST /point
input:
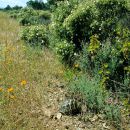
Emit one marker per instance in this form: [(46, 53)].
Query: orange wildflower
[(10, 89), (23, 82), (1, 89)]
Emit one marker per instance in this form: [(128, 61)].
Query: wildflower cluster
[(9, 91)]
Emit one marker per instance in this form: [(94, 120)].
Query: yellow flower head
[(12, 97), (76, 65), (61, 72), (10, 89), (23, 82), (1, 89), (0, 77)]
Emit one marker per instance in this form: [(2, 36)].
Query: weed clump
[(87, 91), (35, 35)]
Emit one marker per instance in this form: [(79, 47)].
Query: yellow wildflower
[(23, 82), (12, 97), (10, 89), (76, 65), (1, 89), (13, 49), (61, 72)]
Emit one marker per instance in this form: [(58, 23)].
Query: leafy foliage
[(87, 91), (110, 12), (35, 35), (91, 91), (29, 16), (95, 28), (109, 62), (36, 4), (78, 23), (61, 12), (66, 50)]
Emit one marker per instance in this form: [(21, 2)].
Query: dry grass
[(25, 73)]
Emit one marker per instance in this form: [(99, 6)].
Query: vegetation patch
[(88, 92), (91, 37), (35, 35), (29, 16)]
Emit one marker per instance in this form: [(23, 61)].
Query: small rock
[(60, 85), (70, 107), (67, 126), (78, 129), (94, 118), (100, 116), (58, 116), (84, 109), (82, 125), (48, 113), (40, 117), (106, 127)]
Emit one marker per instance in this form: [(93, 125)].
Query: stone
[(84, 109), (61, 85), (47, 113), (58, 116), (70, 107), (105, 126), (78, 128), (94, 118), (67, 126)]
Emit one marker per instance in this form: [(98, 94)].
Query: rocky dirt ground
[(52, 119)]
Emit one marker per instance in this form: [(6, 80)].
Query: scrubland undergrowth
[(92, 38)]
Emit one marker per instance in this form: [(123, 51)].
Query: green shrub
[(88, 61), (14, 13), (99, 18), (78, 24), (85, 61), (29, 16), (110, 12), (113, 113), (92, 92), (109, 61), (35, 35), (76, 21), (66, 51), (25, 16), (86, 90), (62, 11), (44, 14)]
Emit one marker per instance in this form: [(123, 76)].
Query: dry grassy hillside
[(25, 74)]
